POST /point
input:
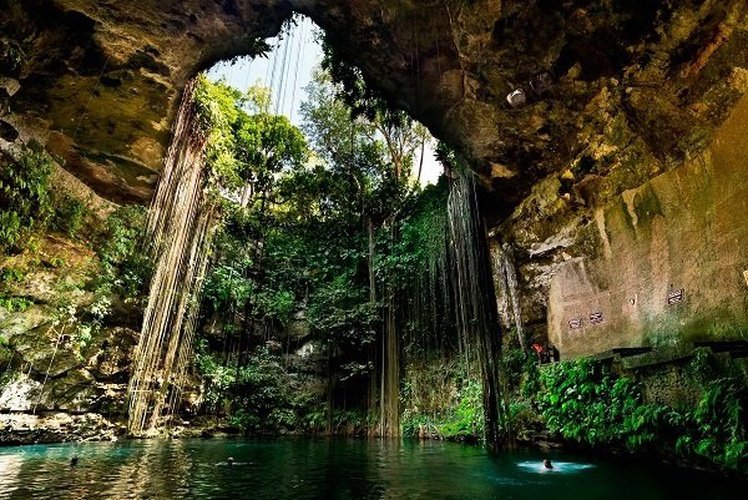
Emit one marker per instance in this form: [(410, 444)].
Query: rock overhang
[(615, 92)]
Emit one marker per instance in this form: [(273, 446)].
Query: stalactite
[(178, 228), (476, 313)]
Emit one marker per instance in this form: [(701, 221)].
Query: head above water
[(230, 461), (547, 464)]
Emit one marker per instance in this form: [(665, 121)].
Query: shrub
[(24, 194), (592, 408), (15, 304), (257, 396), (11, 275), (586, 406), (125, 261), (718, 425), (465, 422), (69, 215), (412, 423)]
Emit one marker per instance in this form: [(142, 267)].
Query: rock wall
[(607, 86), (98, 82), (662, 263), (56, 353), (670, 260), (51, 360)]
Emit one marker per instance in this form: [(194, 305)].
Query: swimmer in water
[(74, 461), (547, 464), (231, 462)]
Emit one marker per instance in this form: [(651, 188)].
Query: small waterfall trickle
[(178, 230), (476, 312), (507, 292)]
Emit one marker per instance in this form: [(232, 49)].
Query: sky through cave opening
[(287, 70)]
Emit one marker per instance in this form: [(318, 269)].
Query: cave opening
[(340, 331)]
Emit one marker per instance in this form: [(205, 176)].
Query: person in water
[(230, 461), (547, 464)]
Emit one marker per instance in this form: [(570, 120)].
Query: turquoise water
[(331, 469)]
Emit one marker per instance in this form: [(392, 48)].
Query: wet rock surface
[(52, 360), (20, 429)]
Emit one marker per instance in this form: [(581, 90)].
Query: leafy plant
[(257, 397), (11, 275), (15, 304), (69, 214), (718, 424), (125, 261), (586, 406), (594, 408), (24, 193), (466, 421)]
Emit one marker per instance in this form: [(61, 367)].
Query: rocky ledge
[(24, 428)]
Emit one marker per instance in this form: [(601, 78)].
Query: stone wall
[(686, 230)]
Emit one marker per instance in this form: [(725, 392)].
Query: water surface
[(331, 469)]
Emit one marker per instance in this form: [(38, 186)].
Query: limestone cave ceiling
[(607, 93)]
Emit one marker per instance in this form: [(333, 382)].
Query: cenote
[(373, 249), (330, 468)]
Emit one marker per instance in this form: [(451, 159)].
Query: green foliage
[(126, 267), (69, 214), (293, 246), (265, 145), (461, 422), (597, 409), (244, 147), (422, 231), (217, 378), (6, 358), (9, 275), (600, 409), (342, 316), (414, 424), (260, 396), (336, 136), (718, 425), (15, 304), (226, 288), (276, 306), (24, 194), (466, 421), (78, 325), (27, 201)]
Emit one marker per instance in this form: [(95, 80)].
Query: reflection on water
[(328, 469)]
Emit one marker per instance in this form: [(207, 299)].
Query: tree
[(310, 231)]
